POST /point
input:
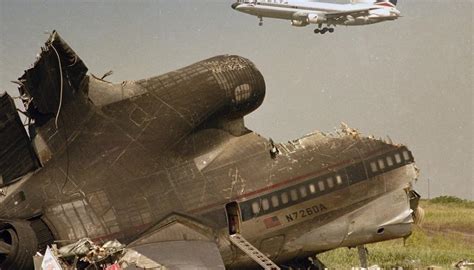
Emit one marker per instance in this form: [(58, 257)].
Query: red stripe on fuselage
[(127, 231), (288, 181)]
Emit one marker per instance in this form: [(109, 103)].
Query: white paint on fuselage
[(360, 226)]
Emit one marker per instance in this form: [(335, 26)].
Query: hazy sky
[(410, 79)]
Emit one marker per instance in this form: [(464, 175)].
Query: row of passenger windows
[(389, 161), (321, 185), (295, 194)]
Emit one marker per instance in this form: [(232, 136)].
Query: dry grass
[(446, 237)]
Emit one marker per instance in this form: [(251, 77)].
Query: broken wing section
[(180, 242), (17, 156)]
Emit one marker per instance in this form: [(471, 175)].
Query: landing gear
[(363, 252), (260, 23), (323, 30)]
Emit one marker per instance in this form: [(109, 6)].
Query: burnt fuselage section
[(119, 158)]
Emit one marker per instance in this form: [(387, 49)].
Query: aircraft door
[(233, 217)]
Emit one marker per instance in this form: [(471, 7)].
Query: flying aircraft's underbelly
[(280, 13)]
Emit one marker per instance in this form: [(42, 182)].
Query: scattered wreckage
[(85, 254)]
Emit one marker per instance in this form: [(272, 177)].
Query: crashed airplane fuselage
[(167, 166)]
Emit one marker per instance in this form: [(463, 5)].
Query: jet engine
[(299, 23), (303, 19), (18, 244), (381, 12), (226, 85), (315, 19)]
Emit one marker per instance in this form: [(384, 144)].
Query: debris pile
[(85, 255), (346, 130)]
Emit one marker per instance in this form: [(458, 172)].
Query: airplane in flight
[(302, 13), (166, 166)]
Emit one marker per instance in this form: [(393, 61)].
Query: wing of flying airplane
[(344, 14)]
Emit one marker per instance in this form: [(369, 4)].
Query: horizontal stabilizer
[(17, 156)]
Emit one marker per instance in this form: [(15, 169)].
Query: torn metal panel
[(55, 78), (180, 242), (17, 156), (183, 254), (134, 260)]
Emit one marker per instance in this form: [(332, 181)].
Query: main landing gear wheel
[(18, 244), (260, 23), (323, 30)]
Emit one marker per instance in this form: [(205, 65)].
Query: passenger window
[(389, 161), (381, 164), (330, 182), (406, 156), (303, 191), (338, 179), (265, 204), (321, 185), (398, 158), (373, 166), (293, 195), (275, 201), (312, 188), (284, 198), (256, 207)]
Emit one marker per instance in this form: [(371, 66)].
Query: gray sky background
[(410, 79)]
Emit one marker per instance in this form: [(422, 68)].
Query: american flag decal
[(271, 222)]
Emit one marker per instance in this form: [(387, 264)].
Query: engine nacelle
[(303, 19), (315, 19), (299, 23), (381, 12)]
